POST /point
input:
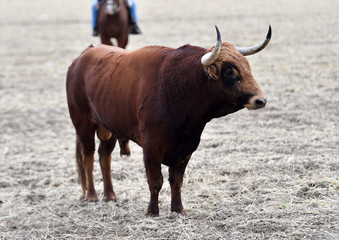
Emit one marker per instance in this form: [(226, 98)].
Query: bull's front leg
[(155, 181), (176, 174)]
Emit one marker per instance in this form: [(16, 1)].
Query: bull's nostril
[(261, 102)]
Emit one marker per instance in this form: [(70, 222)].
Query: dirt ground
[(266, 174)]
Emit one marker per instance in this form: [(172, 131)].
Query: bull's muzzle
[(256, 102), (260, 102)]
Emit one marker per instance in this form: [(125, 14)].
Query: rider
[(132, 16)]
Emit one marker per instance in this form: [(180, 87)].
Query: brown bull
[(159, 97)]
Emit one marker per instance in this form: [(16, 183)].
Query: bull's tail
[(80, 166)]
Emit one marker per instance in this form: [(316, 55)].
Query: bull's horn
[(257, 48), (211, 57)]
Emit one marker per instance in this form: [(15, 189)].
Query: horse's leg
[(176, 174), (87, 146), (122, 41), (155, 181), (105, 149), (106, 40)]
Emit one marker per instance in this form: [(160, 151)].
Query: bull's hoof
[(110, 197), (151, 213), (92, 198), (180, 211)]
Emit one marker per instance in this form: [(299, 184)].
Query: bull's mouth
[(250, 107)]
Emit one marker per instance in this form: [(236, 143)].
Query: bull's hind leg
[(176, 174), (107, 144), (87, 146), (105, 150)]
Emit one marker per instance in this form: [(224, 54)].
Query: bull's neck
[(188, 102), (185, 89)]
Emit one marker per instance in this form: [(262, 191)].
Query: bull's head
[(227, 65)]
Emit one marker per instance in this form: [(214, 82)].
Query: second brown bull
[(159, 97)]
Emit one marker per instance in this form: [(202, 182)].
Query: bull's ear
[(212, 72)]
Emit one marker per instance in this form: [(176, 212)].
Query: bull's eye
[(229, 75), (229, 72)]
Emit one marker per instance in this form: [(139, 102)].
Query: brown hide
[(161, 98)]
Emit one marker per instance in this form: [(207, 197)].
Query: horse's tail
[(80, 165)]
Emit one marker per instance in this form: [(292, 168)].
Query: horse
[(113, 22)]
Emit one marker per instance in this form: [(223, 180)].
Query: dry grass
[(268, 174)]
